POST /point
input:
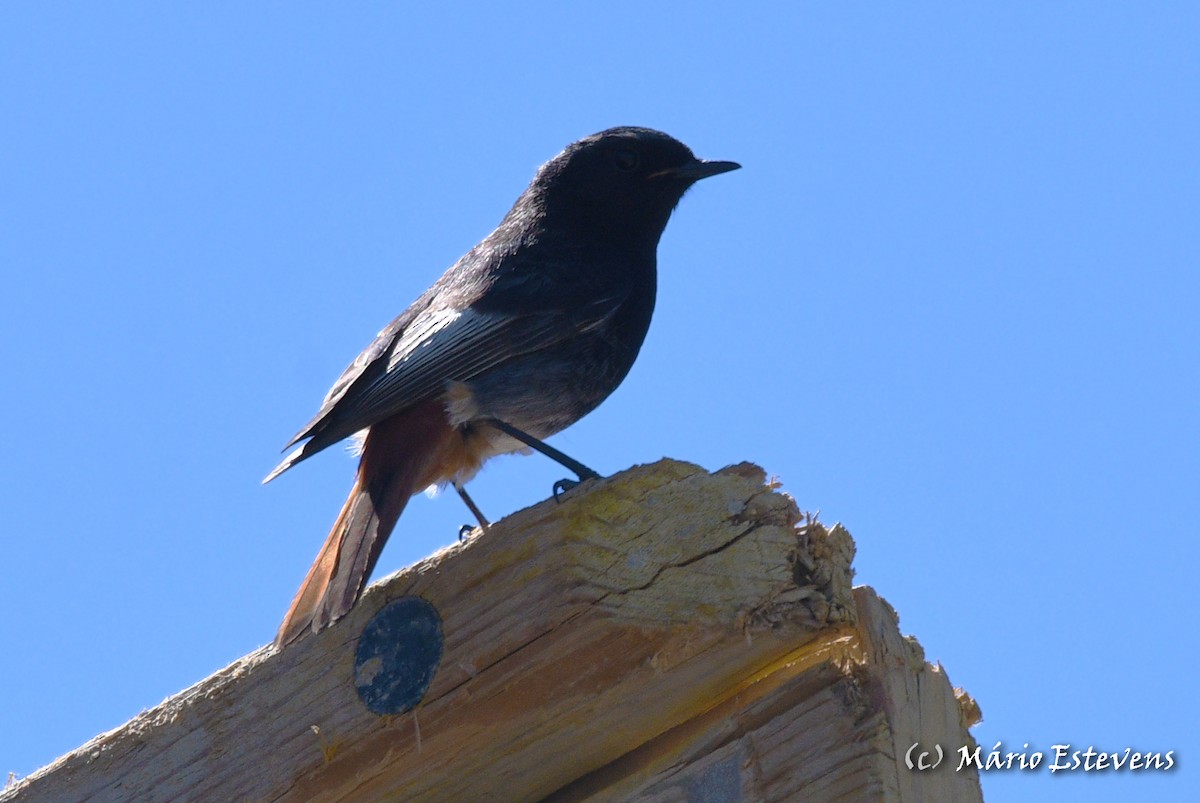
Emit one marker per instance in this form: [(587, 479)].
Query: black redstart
[(523, 336)]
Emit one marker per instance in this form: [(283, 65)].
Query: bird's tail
[(344, 563), (401, 456)]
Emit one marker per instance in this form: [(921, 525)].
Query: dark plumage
[(533, 327)]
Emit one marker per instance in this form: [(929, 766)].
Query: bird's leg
[(469, 502), (560, 487)]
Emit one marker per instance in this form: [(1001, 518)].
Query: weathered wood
[(664, 634), (833, 720)]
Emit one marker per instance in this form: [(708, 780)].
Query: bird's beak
[(694, 171)]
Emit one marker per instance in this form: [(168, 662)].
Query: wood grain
[(663, 634)]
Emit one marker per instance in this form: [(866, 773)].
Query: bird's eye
[(626, 160)]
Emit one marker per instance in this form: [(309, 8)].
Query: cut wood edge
[(590, 647)]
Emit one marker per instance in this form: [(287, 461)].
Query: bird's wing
[(413, 360)]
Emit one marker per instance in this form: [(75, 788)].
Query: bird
[(521, 337)]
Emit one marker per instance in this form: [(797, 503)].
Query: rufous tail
[(401, 456), (344, 563)]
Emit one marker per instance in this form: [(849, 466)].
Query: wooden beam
[(663, 634)]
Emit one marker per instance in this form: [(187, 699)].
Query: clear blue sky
[(951, 301)]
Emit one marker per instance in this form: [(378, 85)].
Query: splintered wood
[(665, 634)]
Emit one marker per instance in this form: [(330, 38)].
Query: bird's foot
[(562, 486)]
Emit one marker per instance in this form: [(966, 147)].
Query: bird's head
[(623, 181)]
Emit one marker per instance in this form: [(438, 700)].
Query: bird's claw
[(464, 531), (562, 486)]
